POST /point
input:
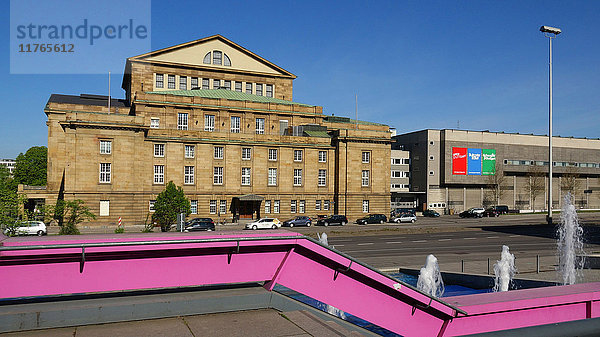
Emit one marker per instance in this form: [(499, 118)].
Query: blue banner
[(474, 162)]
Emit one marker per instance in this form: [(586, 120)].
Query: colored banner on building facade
[(474, 162), (459, 160), (488, 162)]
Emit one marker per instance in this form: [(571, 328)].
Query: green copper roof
[(317, 134), (226, 94)]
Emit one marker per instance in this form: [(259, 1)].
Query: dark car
[(333, 220), (491, 212), (431, 213), (372, 218), (298, 221), (474, 212), (501, 209), (200, 224)]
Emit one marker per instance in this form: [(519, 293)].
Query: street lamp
[(550, 33)]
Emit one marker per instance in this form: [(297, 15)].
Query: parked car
[(333, 220), (501, 209), (372, 218), (407, 217), (298, 221), (399, 211), (491, 212), (474, 212), (200, 224), (264, 223), (431, 213), (27, 228)]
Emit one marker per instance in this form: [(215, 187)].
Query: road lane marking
[(470, 238), (492, 237), (366, 243), (419, 241), (514, 236), (444, 239), (392, 242)]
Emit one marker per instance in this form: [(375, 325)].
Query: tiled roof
[(317, 134), (226, 94)]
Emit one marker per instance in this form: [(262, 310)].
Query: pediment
[(194, 54)]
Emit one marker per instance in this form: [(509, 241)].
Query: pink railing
[(96, 264)]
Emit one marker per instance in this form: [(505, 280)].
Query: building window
[(194, 84), (188, 175), (160, 80), (218, 176), (227, 85), (194, 206), (272, 177), (260, 126), (249, 88), (406, 161), (105, 147), (217, 56), (293, 206), (222, 206), (182, 121), (397, 174), (171, 81), (105, 172), (154, 123), (431, 173), (318, 205), (269, 90), (238, 86), (273, 154), (218, 152), (259, 89), (189, 151), (159, 150), (322, 178), (366, 157), (213, 207), (301, 206), (267, 206), (365, 178), (206, 58), (216, 84), (159, 174), (205, 84), (365, 207), (297, 177), (297, 155), (326, 205), (235, 124), (322, 156), (209, 123), (246, 176), (276, 206), (182, 83), (226, 60), (246, 153), (151, 205)]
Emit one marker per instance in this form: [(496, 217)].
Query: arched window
[(207, 58), (217, 55), (226, 60)]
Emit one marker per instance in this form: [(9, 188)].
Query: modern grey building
[(453, 170)]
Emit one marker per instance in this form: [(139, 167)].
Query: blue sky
[(477, 65)]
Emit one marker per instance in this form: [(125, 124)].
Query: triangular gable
[(192, 53)]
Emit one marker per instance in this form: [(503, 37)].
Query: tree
[(30, 168), (74, 212), (536, 184), (569, 182), (11, 203), (169, 203), (495, 182)]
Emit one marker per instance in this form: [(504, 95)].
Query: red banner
[(459, 160)]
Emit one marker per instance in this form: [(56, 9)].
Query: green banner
[(488, 162)]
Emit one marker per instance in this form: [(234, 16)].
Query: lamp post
[(550, 33)]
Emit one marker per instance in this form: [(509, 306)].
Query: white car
[(28, 228), (264, 223), (405, 218)]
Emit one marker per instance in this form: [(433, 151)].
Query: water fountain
[(569, 243), (504, 270), (430, 279)]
